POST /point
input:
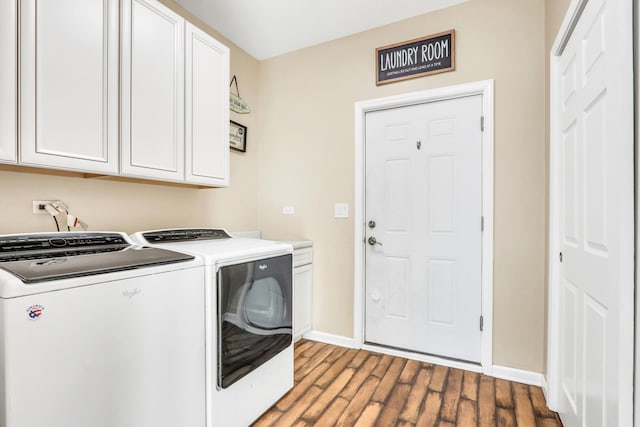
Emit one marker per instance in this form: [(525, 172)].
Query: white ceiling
[(265, 29)]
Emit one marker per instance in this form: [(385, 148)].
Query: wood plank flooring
[(336, 386)]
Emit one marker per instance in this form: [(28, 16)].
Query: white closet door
[(69, 84), (152, 91), (8, 81), (207, 109), (593, 140)]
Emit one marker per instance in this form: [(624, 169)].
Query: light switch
[(341, 210)]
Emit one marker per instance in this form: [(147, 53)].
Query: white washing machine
[(248, 311), (99, 332)]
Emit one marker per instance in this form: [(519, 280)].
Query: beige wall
[(307, 156), (129, 206), (555, 11), (300, 153)]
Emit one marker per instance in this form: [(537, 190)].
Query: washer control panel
[(185, 234)]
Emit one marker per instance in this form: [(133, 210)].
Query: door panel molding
[(484, 88)]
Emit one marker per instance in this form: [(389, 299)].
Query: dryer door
[(254, 315)]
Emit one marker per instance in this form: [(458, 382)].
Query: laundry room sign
[(416, 58)]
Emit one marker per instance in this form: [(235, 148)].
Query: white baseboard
[(330, 339), (519, 376), (545, 388)]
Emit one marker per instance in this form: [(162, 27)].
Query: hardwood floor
[(336, 386)]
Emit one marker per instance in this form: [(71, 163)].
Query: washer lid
[(36, 258)]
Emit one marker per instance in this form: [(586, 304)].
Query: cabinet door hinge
[(482, 123), (481, 323), (482, 223)]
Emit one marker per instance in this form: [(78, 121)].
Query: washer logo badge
[(35, 311)]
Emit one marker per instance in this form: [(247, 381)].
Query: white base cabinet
[(302, 288), (8, 81), (69, 84), (303, 312)]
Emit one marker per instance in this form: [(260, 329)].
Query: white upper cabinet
[(206, 109), (8, 81), (69, 84), (152, 109), (135, 91)]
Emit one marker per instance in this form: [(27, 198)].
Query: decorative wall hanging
[(236, 103), (237, 136), (416, 58)]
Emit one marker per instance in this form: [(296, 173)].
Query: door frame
[(636, 70), (627, 306), (485, 88)]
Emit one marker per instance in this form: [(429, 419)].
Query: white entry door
[(423, 214), (593, 144)]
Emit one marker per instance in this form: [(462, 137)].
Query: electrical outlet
[(38, 206)]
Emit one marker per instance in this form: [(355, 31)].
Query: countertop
[(299, 244)]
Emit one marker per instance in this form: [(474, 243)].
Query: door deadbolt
[(372, 224)]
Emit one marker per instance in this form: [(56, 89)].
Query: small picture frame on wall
[(237, 136)]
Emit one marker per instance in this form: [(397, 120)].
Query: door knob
[(372, 241)]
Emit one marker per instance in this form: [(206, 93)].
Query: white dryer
[(248, 311), (96, 331)]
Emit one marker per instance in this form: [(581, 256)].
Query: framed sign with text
[(237, 136), (416, 58)]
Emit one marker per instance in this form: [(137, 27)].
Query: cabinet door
[(152, 91), (303, 300), (69, 84), (207, 109), (8, 81)]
